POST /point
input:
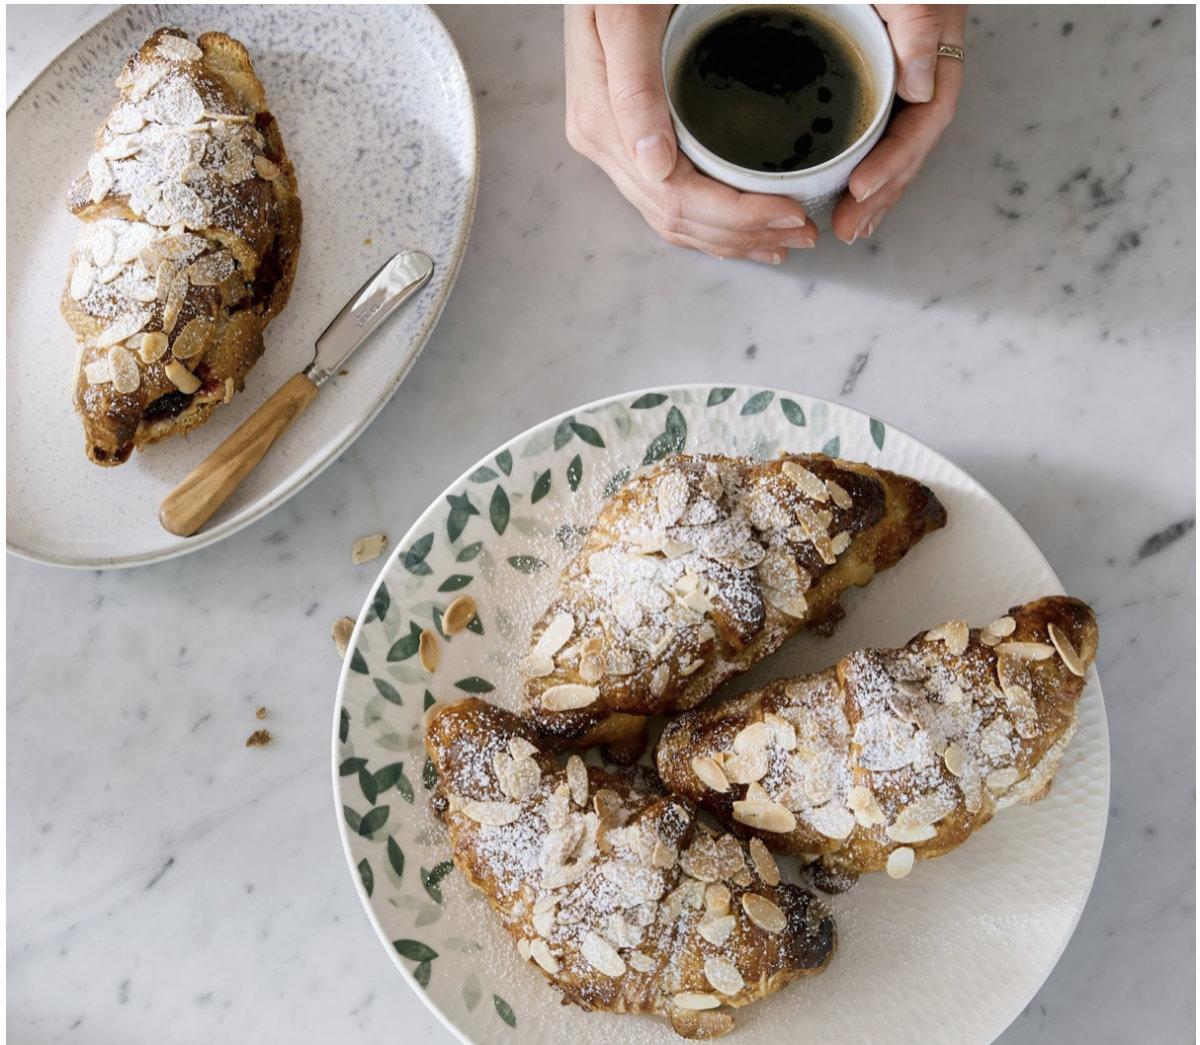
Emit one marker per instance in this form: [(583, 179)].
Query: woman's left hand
[(930, 85)]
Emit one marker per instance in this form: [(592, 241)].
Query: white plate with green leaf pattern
[(950, 954)]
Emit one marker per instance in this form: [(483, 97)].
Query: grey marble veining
[(1028, 310)]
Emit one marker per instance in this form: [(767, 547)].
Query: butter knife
[(192, 503)]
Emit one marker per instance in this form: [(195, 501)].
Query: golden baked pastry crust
[(913, 748), (193, 231), (697, 569), (613, 891)]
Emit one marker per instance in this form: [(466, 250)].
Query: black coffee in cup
[(773, 88)]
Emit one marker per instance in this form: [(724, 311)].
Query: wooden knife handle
[(192, 503)]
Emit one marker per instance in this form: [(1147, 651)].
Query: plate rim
[(333, 451), (409, 534)]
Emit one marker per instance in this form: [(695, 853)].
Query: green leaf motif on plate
[(387, 777), (428, 701), (877, 433), (471, 991), (436, 614), (616, 481), (483, 474), (504, 462), (344, 726), (504, 1010), (406, 647), (414, 558), (373, 821), (422, 973), (395, 856), (353, 819), (359, 663), (833, 447), (367, 876), (793, 412), (718, 395), (671, 440), (475, 625), (456, 580), (414, 950), (429, 774), (432, 878), (563, 433), (461, 510), (469, 552), (474, 684), (351, 766), (526, 563), (588, 434), (499, 510), (757, 403), (574, 472), (650, 399), (404, 786), (366, 783), (541, 487), (388, 691), (382, 601)]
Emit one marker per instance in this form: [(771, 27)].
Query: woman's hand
[(617, 117), (931, 85)]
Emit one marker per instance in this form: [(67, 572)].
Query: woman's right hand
[(617, 117)]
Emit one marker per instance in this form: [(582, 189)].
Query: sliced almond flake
[(101, 175), (816, 533), (181, 377), (458, 615), (755, 792), (125, 119), (764, 863), (659, 679), (1001, 779), (717, 930), (763, 913), (591, 668), (211, 269), (555, 635), (865, 806), (177, 246), (840, 542), (910, 832), (840, 497), (928, 808), (954, 758), (1002, 627), (765, 816), (153, 346), (341, 630), (176, 295), (694, 1000), (545, 903), (126, 375), (502, 767), (709, 773), (123, 328), (1070, 656), (988, 639), (491, 814), (955, 633), (568, 697), (723, 974), (523, 948), (122, 148), (577, 780), (429, 653), (671, 497), (808, 483), (602, 955), (519, 747), (109, 273), (900, 862), (716, 899), (747, 767), (266, 169), (641, 962), (194, 339), (98, 372), (367, 548), (1018, 701), (663, 856), (83, 277), (750, 738), (143, 292), (1026, 650), (793, 605), (537, 667), (539, 950), (701, 859), (178, 49), (607, 804)]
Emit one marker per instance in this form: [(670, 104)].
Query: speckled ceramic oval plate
[(377, 116), (950, 954)]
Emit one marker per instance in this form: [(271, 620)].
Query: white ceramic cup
[(816, 188)]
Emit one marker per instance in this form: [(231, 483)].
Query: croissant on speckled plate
[(892, 756), (698, 568), (622, 899), (189, 247)]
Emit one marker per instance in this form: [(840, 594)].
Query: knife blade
[(209, 485)]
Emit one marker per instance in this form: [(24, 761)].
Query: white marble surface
[(1027, 310)]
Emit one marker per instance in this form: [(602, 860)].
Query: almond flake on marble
[(367, 548)]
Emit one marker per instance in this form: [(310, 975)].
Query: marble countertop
[(1028, 310)]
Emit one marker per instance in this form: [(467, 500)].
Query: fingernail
[(653, 157), (767, 257), (872, 190), (875, 222), (918, 78), (712, 254), (799, 242), (861, 230), (790, 222)]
